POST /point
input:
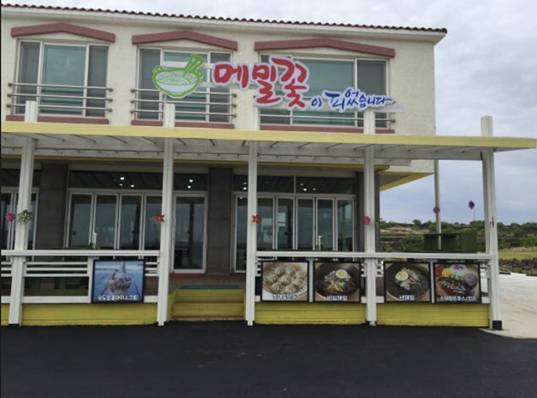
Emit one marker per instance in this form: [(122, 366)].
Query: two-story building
[(109, 156)]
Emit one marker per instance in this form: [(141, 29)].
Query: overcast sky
[(487, 64)]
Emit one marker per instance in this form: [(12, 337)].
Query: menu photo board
[(457, 282), (118, 281), (336, 282), (407, 282), (285, 281)]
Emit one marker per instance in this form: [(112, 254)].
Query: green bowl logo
[(179, 82)]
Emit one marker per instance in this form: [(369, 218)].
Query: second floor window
[(204, 105), (367, 75), (63, 79)]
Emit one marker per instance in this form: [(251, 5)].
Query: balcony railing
[(283, 117), (213, 105), (61, 99)]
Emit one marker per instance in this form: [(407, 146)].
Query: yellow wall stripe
[(306, 313), (88, 314), (475, 315)]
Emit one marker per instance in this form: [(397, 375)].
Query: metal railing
[(203, 105), (60, 99), (281, 117), (64, 266)]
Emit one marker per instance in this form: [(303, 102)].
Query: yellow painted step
[(208, 310), (197, 295)]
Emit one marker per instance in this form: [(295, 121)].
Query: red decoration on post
[(10, 217), (256, 219), (366, 220), (471, 204), (436, 210), (159, 218)]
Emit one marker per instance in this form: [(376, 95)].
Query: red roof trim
[(61, 27), (329, 43), (184, 35), (207, 18)]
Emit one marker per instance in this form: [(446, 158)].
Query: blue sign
[(118, 281)]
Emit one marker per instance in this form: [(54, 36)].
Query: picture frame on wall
[(457, 282), (118, 281), (407, 282), (285, 281), (336, 282)]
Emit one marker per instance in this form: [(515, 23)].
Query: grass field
[(522, 254)]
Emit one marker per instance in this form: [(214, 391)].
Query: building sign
[(179, 82), (336, 282), (408, 282), (280, 81), (118, 281), (457, 283), (284, 281)]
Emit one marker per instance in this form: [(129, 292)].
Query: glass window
[(325, 185), (189, 232), (5, 208), (344, 225), (325, 224), (190, 182), (241, 226), (129, 229), (264, 183), (28, 73), (115, 180), (105, 221), (265, 227), (148, 95), (372, 80), (305, 224), (284, 224), (372, 77), (66, 71), (80, 221), (11, 177), (63, 66), (98, 60), (152, 228)]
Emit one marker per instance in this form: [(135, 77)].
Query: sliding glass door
[(189, 253)]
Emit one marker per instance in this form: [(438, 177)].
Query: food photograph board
[(407, 282), (285, 281), (336, 282), (457, 282), (118, 281)]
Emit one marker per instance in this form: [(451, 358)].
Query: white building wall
[(410, 72)]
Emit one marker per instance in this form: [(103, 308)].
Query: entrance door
[(189, 253), (325, 224)]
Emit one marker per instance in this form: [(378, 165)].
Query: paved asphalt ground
[(232, 360)]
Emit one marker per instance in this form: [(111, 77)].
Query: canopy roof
[(91, 140)]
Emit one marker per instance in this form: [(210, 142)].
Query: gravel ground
[(519, 306)]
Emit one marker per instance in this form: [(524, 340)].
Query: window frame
[(42, 44), (343, 58), (143, 193)]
